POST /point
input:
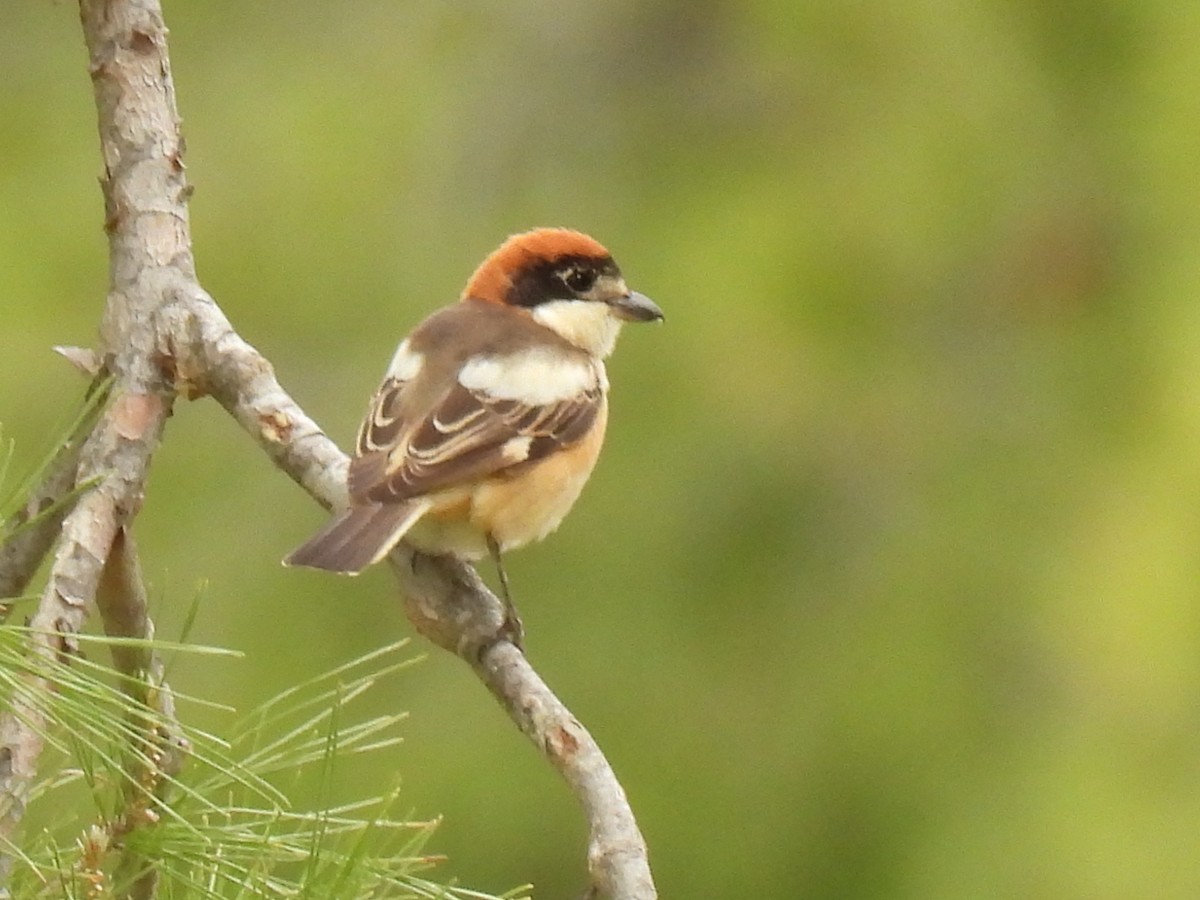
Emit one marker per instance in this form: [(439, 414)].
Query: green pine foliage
[(133, 802), (224, 826)]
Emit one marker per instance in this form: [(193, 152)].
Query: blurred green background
[(887, 584)]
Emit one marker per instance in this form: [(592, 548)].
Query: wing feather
[(382, 427), (468, 435)]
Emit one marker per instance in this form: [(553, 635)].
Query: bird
[(491, 415)]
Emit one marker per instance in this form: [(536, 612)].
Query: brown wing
[(382, 427), (467, 436), (381, 430)]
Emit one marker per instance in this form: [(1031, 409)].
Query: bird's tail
[(357, 537)]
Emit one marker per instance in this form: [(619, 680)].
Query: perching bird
[(492, 412)]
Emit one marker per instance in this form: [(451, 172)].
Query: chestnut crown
[(541, 266)]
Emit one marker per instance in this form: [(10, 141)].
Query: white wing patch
[(532, 377), (516, 449), (406, 363)]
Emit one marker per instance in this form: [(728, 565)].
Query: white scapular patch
[(534, 377), (516, 449), (589, 325), (406, 363)]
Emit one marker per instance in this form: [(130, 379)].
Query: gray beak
[(635, 307)]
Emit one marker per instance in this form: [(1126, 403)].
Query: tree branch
[(163, 336), (448, 603), (40, 517), (158, 746), (146, 220)]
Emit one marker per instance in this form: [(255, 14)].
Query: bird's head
[(566, 281)]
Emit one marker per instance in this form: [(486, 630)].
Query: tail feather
[(357, 537)]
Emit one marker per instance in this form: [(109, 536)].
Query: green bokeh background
[(886, 585)]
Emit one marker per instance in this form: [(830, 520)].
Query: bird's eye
[(579, 280)]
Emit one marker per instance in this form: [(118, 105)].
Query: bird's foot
[(512, 629)]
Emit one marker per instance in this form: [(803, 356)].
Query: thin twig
[(23, 552), (448, 603), (160, 747), (40, 518)]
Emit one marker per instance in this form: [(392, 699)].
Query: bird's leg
[(512, 628)]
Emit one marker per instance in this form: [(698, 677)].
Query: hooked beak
[(635, 307)]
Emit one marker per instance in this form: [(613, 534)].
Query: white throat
[(589, 325)]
